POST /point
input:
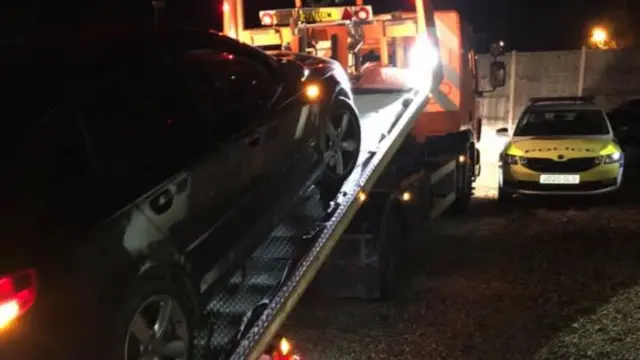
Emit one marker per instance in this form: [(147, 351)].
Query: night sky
[(524, 25)]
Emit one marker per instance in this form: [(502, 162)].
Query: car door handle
[(253, 139), (162, 202)]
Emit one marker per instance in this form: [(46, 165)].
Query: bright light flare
[(423, 58), (285, 346), (312, 92), (9, 311), (599, 35), (362, 196)]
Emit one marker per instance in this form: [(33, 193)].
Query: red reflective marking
[(363, 14), (347, 15), (267, 19)]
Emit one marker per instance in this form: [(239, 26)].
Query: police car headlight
[(507, 159), (612, 158)]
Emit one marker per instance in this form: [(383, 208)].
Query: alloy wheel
[(158, 331), (341, 143)]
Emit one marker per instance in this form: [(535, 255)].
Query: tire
[(504, 197), (464, 193), (144, 308), (340, 149), (612, 198), (392, 248)]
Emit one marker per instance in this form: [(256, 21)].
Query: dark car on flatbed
[(139, 167)]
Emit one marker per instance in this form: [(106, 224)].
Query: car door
[(168, 142), (133, 140), (283, 160), (219, 171)]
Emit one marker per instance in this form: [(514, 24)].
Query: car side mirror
[(502, 132), (496, 49), (498, 74)]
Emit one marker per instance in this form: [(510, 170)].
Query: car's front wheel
[(340, 147), (157, 325), (504, 197)]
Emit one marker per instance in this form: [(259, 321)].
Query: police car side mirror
[(502, 132), (498, 74)]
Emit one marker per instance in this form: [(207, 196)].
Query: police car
[(560, 146)]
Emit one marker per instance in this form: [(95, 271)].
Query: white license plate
[(559, 179)]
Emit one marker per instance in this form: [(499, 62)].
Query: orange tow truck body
[(452, 107)]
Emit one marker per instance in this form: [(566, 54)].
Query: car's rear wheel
[(340, 146), (157, 325)]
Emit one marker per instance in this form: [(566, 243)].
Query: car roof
[(41, 72), (558, 106), (38, 72)]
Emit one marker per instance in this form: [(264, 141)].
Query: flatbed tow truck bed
[(245, 315)]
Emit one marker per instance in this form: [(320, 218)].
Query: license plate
[(559, 179)]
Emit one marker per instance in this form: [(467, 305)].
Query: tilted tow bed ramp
[(383, 131)]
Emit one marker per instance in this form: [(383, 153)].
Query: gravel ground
[(545, 280)]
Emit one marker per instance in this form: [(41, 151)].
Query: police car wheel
[(504, 197)]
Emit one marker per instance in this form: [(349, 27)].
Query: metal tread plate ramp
[(242, 320)]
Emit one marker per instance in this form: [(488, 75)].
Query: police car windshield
[(562, 123)]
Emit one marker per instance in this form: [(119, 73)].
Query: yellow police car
[(560, 146)]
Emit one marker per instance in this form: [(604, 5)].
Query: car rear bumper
[(19, 341), (40, 336)]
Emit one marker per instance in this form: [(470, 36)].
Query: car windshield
[(562, 123)]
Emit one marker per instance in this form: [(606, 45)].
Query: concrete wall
[(611, 75)]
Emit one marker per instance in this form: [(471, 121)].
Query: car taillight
[(17, 294)]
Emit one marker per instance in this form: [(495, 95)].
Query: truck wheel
[(157, 323), (340, 146), (464, 191), (390, 252)]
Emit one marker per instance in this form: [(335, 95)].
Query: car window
[(56, 168), (63, 155), (204, 95), (562, 123), (135, 140), (225, 92), (259, 87), (255, 54)]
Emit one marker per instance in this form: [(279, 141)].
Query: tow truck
[(416, 82)]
